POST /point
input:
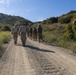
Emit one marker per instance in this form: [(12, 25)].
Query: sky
[(37, 10)]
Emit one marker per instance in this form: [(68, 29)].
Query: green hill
[(11, 20), (65, 18), (60, 30)]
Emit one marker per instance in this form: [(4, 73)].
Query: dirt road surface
[(36, 59)]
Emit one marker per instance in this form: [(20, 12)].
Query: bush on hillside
[(52, 20), (6, 28), (4, 37), (65, 19), (44, 22), (68, 32)]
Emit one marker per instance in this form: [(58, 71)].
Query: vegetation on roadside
[(60, 30), (57, 30), (4, 38), (6, 24)]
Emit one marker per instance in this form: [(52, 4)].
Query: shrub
[(68, 32), (65, 19), (44, 22), (4, 37), (48, 37), (6, 28)]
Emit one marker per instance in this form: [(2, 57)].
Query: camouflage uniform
[(40, 33), (15, 33), (35, 33), (30, 32), (23, 34)]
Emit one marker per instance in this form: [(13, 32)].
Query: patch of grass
[(4, 38), (60, 41), (48, 37), (54, 33)]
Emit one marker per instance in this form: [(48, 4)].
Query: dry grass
[(4, 38)]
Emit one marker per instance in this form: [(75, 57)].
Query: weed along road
[(36, 59)]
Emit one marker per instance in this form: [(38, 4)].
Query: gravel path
[(36, 59)]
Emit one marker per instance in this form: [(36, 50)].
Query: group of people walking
[(19, 31), (32, 33), (35, 33)]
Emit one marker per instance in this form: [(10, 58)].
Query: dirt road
[(36, 59)]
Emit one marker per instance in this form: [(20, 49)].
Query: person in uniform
[(40, 33), (35, 33), (30, 32), (15, 31), (23, 34)]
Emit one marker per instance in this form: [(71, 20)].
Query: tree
[(6, 28)]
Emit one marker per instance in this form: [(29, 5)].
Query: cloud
[(5, 6), (5, 2), (7, 11)]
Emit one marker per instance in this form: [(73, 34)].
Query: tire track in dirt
[(63, 60), (15, 61), (41, 64), (34, 59)]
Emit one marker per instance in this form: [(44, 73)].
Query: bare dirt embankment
[(36, 59)]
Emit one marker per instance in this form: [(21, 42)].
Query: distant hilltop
[(72, 12), (11, 20), (63, 19)]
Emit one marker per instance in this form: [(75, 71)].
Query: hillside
[(65, 18), (60, 30), (11, 20)]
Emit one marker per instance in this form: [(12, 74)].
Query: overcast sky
[(37, 10)]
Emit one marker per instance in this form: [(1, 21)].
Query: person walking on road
[(40, 33), (35, 33), (15, 31), (27, 32), (30, 32), (22, 33)]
